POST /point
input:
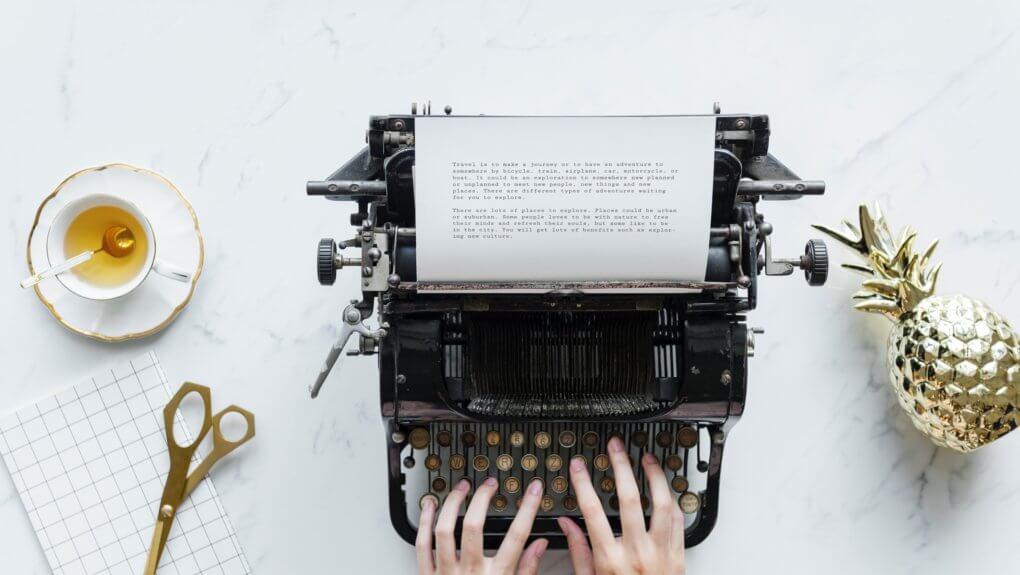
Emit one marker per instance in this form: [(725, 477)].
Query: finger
[(517, 535), (676, 536), (588, 502), (662, 500), (423, 544), (446, 544), (577, 543), (632, 517), (472, 537), (532, 556)]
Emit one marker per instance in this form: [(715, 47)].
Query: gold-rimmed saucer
[(157, 300)]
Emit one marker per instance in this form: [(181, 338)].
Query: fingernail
[(576, 465), (535, 488), (542, 545), (650, 459), (490, 482), (615, 444), (463, 485), (429, 504)]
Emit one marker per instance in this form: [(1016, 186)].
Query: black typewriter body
[(514, 385)]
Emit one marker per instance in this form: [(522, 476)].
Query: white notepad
[(89, 464)]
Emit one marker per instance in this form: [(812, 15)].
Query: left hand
[(511, 557)]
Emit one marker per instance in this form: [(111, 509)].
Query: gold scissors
[(180, 483)]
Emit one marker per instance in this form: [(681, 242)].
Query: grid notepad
[(89, 464)]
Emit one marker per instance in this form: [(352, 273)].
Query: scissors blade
[(159, 537)]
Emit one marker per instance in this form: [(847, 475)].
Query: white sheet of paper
[(622, 198)]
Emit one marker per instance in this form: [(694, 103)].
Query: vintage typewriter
[(515, 385)]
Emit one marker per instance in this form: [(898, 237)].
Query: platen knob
[(815, 262), (326, 261)]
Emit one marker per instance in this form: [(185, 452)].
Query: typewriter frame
[(712, 385)]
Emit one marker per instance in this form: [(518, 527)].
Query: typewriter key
[(480, 463), (439, 484), (679, 483), (492, 438), (432, 496), (553, 462), (568, 439), (570, 503), (504, 462), (580, 458), (559, 484), (529, 462), (547, 503), (468, 438), (607, 484), (590, 439), (664, 439), (511, 484), (687, 437), (516, 439), (518, 502), (444, 438), (433, 462), (602, 462), (542, 440), (500, 502), (457, 462), (674, 462), (614, 503), (419, 438), (690, 503), (639, 438), (409, 461)]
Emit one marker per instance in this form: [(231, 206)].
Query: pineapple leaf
[(865, 270), (853, 243), (882, 286), (887, 308)]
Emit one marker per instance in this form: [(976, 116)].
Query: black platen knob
[(816, 262), (326, 261)]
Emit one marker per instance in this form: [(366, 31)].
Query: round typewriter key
[(500, 502), (433, 462), (602, 462), (590, 439), (568, 439), (518, 502), (639, 438), (580, 458), (616, 433), (529, 462), (559, 484), (614, 503), (433, 497), (511, 484), (457, 462), (674, 462), (547, 503), (504, 462), (664, 439), (687, 437), (419, 438), (492, 438), (679, 483), (542, 440), (690, 503), (439, 484), (444, 438), (468, 438), (607, 484), (409, 462), (553, 462), (516, 439), (480, 463), (570, 503)]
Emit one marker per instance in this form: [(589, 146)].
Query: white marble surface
[(240, 103)]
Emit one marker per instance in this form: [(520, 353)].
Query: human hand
[(656, 550), (509, 559)]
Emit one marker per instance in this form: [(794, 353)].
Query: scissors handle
[(221, 445)]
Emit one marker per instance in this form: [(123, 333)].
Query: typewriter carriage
[(595, 358)]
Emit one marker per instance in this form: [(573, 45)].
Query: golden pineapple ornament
[(953, 361)]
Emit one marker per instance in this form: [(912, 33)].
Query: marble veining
[(239, 104)]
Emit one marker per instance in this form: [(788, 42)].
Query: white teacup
[(56, 253)]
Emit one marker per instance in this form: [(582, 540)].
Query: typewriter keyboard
[(441, 454)]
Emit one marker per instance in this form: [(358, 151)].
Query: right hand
[(656, 550)]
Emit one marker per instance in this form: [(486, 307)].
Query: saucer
[(157, 300)]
